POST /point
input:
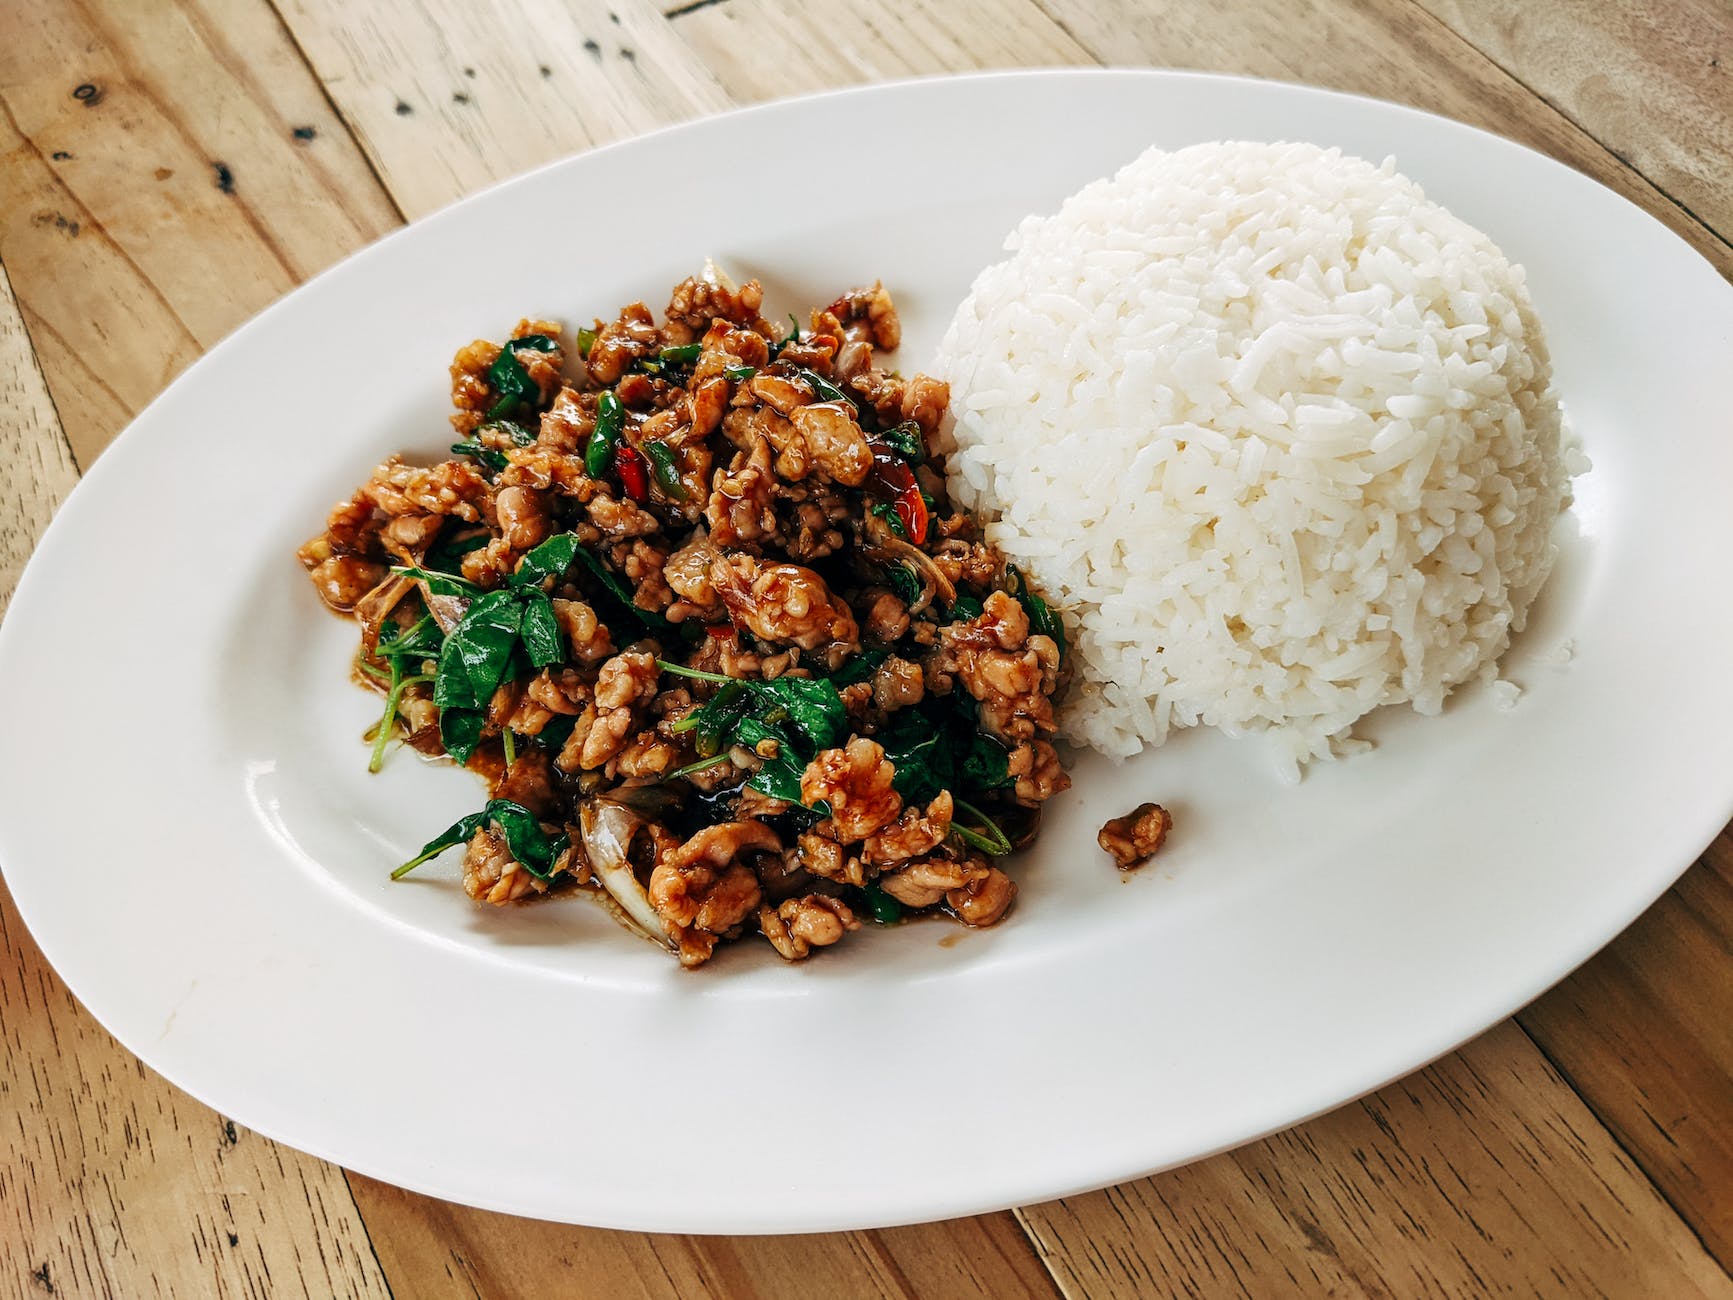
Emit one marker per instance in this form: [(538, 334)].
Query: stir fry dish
[(691, 597)]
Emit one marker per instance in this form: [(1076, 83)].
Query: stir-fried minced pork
[(1136, 837), (691, 596)]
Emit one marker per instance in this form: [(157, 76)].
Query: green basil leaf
[(985, 764), (715, 721), (888, 512), (421, 640), (557, 732), (447, 553), (1042, 618), (460, 732), (920, 754), (518, 433), (540, 631), (964, 608), (492, 461), (907, 440), (478, 651), (549, 560), (904, 582), (883, 909), (651, 621), (454, 834), (812, 706), (526, 839), (514, 391), (440, 584), (860, 668), (793, 337), (825, 388), (987, 837), (779, 777)]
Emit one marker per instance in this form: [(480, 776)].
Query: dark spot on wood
[(692, 8), (403, 109), (234, 1239), (594, 49), (545, 70), (87, 93), (458, 97), (62, 224), (304, 133), (613, 17), (1315, 1238), (60, 155), (229, 1134), (628, 54), (469, 72), (163, 173), (40, 1277), (225, 177)]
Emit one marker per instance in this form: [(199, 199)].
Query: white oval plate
[(214, 889)]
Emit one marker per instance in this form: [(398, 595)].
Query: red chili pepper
[(721, 631), (911, 508), (634, 477), (891, 477)]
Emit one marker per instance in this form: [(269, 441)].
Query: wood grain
[(1482, 1175), (1645, 1033), (128, 258), (760, 49), (447, 96), (438, 1251), (112, 1183), (39, 464), (1650, 82), (156, 191)]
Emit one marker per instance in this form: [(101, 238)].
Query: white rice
[(1274, 430)]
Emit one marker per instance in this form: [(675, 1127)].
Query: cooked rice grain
[(1275, 430)]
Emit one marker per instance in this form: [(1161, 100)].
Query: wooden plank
[(1391, 49), (112, 1183), (1482, 1175), (39, 464), (156, 193), (1650, 82), (1644, 1033), (447, 96), (761, 49), (436, 1251)]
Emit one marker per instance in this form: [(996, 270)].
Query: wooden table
[(171, 167)]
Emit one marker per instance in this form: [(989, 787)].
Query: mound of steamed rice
[(1274, 430)]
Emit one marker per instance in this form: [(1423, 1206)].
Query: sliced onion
[(715, 275), (447, 611), (887, 548), (375, 607), (607, 828)]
